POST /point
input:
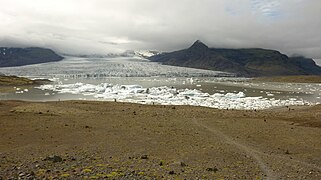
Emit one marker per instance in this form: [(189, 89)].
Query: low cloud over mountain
[(99, 26)]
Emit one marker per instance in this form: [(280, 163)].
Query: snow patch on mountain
[(146, 53)]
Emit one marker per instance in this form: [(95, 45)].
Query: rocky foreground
[(81, 139)]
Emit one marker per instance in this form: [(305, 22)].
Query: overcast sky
[(103, 26)]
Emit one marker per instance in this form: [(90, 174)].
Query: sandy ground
[(82, 139), (290, 79)]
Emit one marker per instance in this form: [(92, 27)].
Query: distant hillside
[(25, 56), (243, 62)]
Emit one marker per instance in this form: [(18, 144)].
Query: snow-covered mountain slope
[(146, 53), (317, 61)]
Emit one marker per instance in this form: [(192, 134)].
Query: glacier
[(78, 67)]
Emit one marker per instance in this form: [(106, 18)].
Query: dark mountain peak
[(199, 45), (244, 62), (25, 56), (198, 42)]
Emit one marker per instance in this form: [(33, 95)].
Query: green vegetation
[(20, 81), (14, 80)]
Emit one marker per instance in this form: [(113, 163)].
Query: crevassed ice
[(171, 96)]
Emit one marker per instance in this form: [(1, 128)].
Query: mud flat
[(290, 79), (79, 139)]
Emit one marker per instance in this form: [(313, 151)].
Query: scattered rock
[(31, 175), (53, 158), (144, 157), (161, 163), (179, 163), (183, 164), (212, 169), (65, 175), (287, 152)]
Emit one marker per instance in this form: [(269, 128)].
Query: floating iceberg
[(170, 96)]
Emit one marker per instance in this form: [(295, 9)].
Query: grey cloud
[(103, 26)]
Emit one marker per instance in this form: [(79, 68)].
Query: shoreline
[(155, 104), (290, 79), (8, 81)]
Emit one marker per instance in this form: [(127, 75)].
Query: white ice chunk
[(170, 96)]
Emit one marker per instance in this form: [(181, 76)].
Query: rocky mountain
[(128, 53), (25, 56), (317, 61), (243, 62)]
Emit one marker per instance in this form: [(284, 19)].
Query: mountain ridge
[(243, 62), (25, 56)]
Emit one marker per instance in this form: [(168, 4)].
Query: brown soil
[(16, 81), (81, 139), (8, 82), (290, 79)]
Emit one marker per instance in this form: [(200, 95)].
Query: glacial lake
[(141, 81)]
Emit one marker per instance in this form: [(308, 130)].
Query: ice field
[(76, 67)]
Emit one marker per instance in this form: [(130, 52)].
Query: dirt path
[(267, 161), (269, 174)]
